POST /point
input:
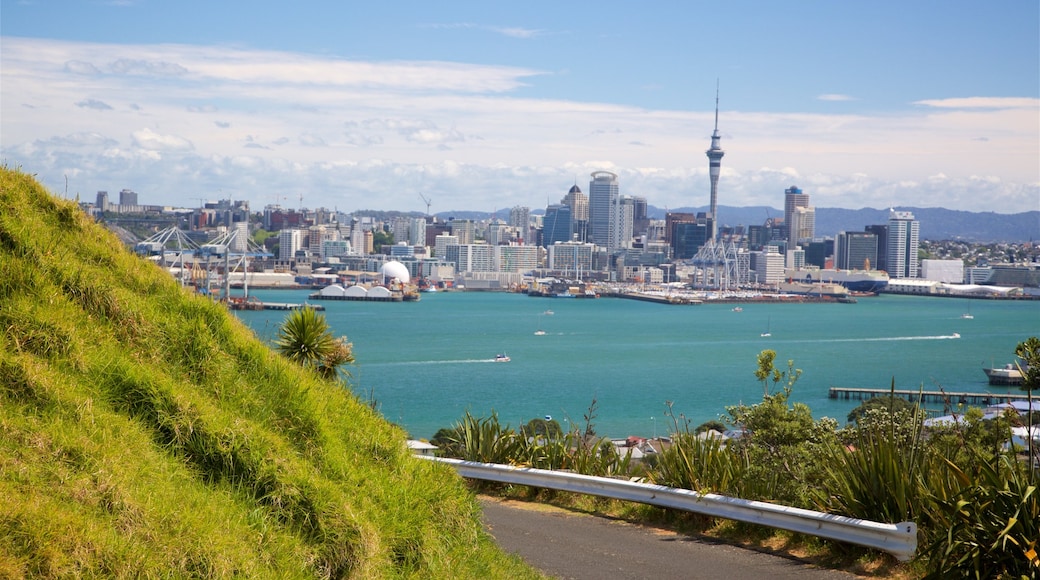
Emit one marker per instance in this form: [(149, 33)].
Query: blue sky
[(487, 105)]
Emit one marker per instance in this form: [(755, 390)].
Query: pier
[(927, 396)]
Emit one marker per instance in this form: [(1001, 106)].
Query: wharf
[(252, 304), (927, 396)]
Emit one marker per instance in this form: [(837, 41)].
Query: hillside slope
[(146, 432)]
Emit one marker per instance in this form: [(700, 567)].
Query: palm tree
[(304, 338)]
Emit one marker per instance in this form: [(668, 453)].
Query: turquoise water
[(427, 362)]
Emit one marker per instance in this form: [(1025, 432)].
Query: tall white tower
[(715, 154)]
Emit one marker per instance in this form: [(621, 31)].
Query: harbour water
[(426, 363)]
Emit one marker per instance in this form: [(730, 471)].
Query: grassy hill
[(146, 432)]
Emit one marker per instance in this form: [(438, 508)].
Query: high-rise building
[(803, 225), (465, 230), (624, 217), (441, 243), (128, 197), (855, 251), (689, 236), (603, 201), (579, 204), (881, 231), (102, 201), (793, 197), (520, 218), (903, 232), (715, 154), (556, 225), (288, 243), (417, 232), (640, 219)]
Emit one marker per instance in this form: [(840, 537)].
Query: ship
[(857, 281), (1009, 374)]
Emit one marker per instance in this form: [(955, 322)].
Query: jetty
[(927, 396)]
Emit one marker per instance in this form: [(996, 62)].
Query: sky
[(481, 106)]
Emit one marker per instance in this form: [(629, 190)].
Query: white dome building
[(395, 269)]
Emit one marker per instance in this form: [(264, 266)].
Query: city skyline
[(487, 107)]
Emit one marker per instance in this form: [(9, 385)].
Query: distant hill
[(145, 432), (936, 223)]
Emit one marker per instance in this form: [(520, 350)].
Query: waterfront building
[(471, 257), (855, 251), (575, 257), (803, 226), (795, 258), (516, 258), (903, 232), (603, 206), (769, 266), (949, 271), (715, 154), (793, 198)]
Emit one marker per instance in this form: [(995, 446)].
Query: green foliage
[(1029, 352), (305, 339), (145, 432), (889, 403)]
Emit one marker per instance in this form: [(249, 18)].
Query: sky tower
[(715, 166)]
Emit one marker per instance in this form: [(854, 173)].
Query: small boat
[(501, 358), (967, 316), (955, 335), (738, 309), (548, 313), (766, 333), (539, 332)]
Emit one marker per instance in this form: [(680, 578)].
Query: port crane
[(427, 200)]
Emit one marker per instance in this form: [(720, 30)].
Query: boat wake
[(435, 362), (953, 336)]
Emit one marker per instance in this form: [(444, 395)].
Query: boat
[(955, 335), (738, 309), (502, 358), (539, 332), (859, 281), (967, 314), (1009, 374), (766, 333), (548, 313)]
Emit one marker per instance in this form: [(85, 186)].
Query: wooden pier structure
[(928, 396)]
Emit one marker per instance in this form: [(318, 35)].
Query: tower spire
[(715, 154)]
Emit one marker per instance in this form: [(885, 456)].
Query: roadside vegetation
[(145, 432), (970, 488)]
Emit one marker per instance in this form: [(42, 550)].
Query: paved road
[(577, 546)]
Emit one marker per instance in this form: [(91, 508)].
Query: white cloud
[(187, 119), (835, 97)]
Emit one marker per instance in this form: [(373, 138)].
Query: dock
[(927, 396)]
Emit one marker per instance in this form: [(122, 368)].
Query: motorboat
[(502, 358)]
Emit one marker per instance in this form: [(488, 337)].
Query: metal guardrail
[(900, 539)]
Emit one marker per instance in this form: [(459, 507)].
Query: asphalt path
[(564, 544)]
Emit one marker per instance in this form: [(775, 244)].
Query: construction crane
[(427, 200)]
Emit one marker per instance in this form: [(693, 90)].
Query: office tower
[(715, 154), (903, 231), (102, 201), (688, 237), (881, 231), (793, 197), (624, 218), (640, 219), (579, 204), (556, 225), (603, 198), (855, 251), (817, 252), (441, 243)]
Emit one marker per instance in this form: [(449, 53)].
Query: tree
[(889, 403), (1029, 352), (305, 338)]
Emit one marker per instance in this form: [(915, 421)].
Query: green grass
[(146, 432)]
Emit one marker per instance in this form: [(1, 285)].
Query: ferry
[(859, 281), (1009, 374)]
